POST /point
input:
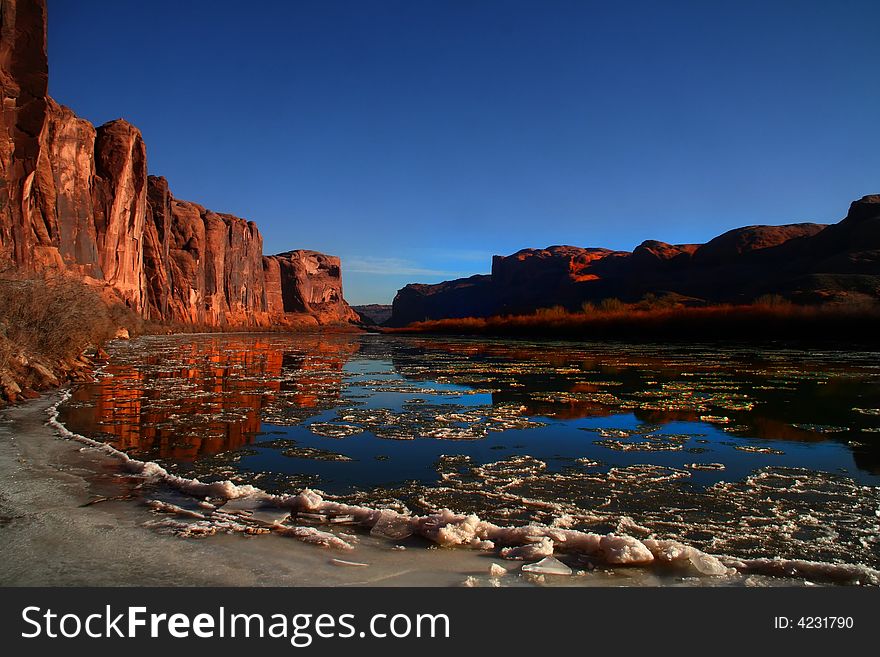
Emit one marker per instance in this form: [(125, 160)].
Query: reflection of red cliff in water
[(206, 397), (319, 372)]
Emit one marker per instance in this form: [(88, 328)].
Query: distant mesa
[(805, 263), (78, 199), (374, 313)]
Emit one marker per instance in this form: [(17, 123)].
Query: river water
[(742, 452)]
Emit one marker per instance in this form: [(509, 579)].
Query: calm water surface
[(768, 452)]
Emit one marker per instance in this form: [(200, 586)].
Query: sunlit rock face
[(119, 195), (306, 282), (24, 76), (805, 262), (73, 197), (215, 268), (78, 199)]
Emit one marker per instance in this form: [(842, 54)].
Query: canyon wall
[(806, 263), (78, 199)]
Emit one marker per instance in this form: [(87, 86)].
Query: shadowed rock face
[(78, 199), (805, 262)]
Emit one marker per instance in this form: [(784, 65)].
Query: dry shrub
[(55, 317), (550, 314), (771, 319), (6, 350), (611, 305)]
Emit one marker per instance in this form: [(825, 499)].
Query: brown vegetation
[(769, 319), (46, 325)]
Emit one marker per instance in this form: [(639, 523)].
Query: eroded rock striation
[(78, 199), (804, 262)]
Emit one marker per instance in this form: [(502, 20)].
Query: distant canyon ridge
[(805, 263), (77, 199)]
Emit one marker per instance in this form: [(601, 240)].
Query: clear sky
[(416, 138)]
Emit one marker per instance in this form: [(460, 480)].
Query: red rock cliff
[(306, 282), (77, 198)]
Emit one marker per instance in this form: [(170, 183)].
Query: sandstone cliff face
[(24, 76), (79, 199), (309, 282), (157, 249), (120, 201), (214, 266), (805, 262)]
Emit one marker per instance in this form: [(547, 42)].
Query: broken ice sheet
[(393, 526), (334, 430), (255, 508), (820, 428), (497, 570), (753, 449), (244, 504), (547, 566), (269, 515)]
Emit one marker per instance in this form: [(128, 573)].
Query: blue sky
[(417, 138)]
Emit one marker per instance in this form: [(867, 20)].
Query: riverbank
[(54, 532), (829, 325)]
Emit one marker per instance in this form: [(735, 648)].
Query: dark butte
[(807, 263)]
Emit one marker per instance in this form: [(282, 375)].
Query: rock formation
[(374, 313), (804, 262), (308, 282), (78, 199)]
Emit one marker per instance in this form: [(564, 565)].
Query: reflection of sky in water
[(558, 444), (542, 431), (239, 393)]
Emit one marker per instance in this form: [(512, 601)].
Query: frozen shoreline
[(52, 533), (47, 538)]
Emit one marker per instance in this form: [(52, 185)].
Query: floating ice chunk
[(342, 519), (470, 582), (624, 550), (753, 449), (820, 428), (350, 564), (547, 566), (269, 515), (244, 504), (679, 554), (715, 419), (330, 430), (543, 548), (839, 573), (196, 529), (704, 466), (308, 500), (867, 411), (392, 525), (627, 525), (497, 571), (314, 537), (312, 518), (564, 521), (165, 507), (447, 528)]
